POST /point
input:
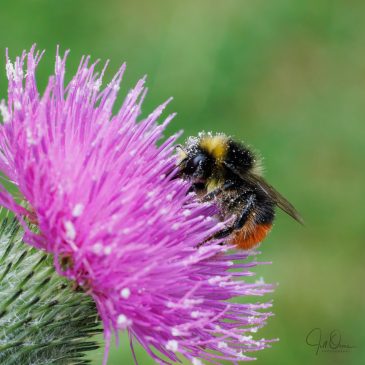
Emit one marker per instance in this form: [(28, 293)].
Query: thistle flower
[(106, 207)]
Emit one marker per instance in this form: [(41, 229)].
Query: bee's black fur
[(240, 156)]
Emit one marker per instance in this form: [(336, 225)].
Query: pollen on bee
[(181, 154)]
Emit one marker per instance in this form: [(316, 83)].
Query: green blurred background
[(288, 77)]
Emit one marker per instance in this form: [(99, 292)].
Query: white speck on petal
[(78, 210), (30, 139), (222, 345), (241, 356), (107, 250), (10, 71), (97, 247), (164, 211), (58, 64), (175, 332), (172, 345), (214, 280), (70, 230), (4, 112), (115, 87), (186, 212), (260, 281), (191, 302), (175, 226), (17, 105), (196, 361), (152, 193), (97, 84), (123, 321), (125, 293), (245, 338)]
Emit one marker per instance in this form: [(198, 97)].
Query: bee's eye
[(193, 163)]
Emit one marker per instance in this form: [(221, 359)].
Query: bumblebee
[(227, 172)]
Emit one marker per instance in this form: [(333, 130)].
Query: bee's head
[(195, 164)]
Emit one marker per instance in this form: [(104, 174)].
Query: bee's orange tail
[(248, 239)]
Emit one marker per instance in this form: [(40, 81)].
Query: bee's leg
[(241, 220), (249, 206), (210, 196), (222, 234), (197, 187)]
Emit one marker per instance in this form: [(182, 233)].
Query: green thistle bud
[(43, 319)]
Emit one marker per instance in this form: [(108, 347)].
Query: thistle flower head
[(101, 192)]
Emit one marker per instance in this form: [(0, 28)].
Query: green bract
[(43, 319)]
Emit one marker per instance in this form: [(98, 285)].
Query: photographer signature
[(331, 343)]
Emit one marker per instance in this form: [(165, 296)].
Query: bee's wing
[(270, 191), (280, 201)]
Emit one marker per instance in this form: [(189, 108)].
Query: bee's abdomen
[(250, 235)]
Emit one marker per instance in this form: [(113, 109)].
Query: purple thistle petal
[(99, 189)]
